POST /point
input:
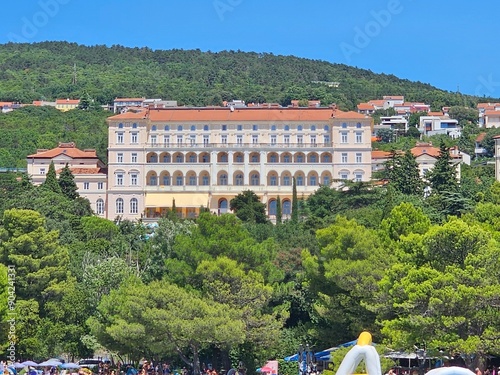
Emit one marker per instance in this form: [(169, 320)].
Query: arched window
[(153, 128), (344, 125), (286, 159), (134, 125), (99, 207), (239, 179), (153, 180), (299, 128), (166, 158), (313, 127), (192, 158), (327, 128), (192, 180), (273, 180), (119, 206), (287, 208), (178, 181), (313, 158), (255, 158), (272, 159), (204, 180), (300, 158), (326, 158), (179, 128), (358, 125), (287, 128), (239, 158), (223, 158), (179, 158), (326, 180), (120, 125), (166, 180), (223, 179), (167, 128), (313, 181), (134, 206), (300, 180), (272, 207), (273, 128), (193, 128), (254, 179), (222, 206), (286, 180), (205, 128)]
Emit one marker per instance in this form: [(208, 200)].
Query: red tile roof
[(492, 113), (378, 103), (79, 170), (377, 154), (67, 101), (425, 148), (435, 114), (66, 149), (239, 114), (480, 137), (365, 107)]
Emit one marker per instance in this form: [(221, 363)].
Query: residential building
[(479, 149), (433, 125), (206, 156), (89, 172), (491, 119), (426, 157), (67, 104), (120, 104), (379, 159)]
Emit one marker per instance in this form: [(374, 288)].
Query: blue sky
[(449, 44)]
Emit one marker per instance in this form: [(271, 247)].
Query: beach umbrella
[(50, 363), (18, 365), (29, 363)]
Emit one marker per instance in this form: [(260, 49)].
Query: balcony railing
[(189, 145)]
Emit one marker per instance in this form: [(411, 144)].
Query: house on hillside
[(426, 156), (479, 150), (67, 104), (89, 172), (433, 125)]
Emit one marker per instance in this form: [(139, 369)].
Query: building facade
[(190, 158), (89, 172)]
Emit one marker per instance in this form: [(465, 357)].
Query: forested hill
[(51, 70)]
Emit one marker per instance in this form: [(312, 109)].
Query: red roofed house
[(426, 156), (90, 173)]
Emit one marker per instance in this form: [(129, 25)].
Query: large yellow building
[(206, 156)]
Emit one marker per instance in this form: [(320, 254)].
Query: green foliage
[(279, 216), (248, 207), (51, 182), (385, 135), (443, 176), (67, 183), (404, 174), (295, 202)]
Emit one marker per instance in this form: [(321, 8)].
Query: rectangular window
[(239, 139), (300, 139), (205, 140), (255, 127), (313, 139), (223, 139), (358, 157), (166, 140), (119, 157), (119, 137), (100, 185), (86, 186), (153, 139), (133, 137), (359, 137), (133, 179), (134, 157), (42, 170), (273, 139), (119, 179), (239, 127), (343, 137), (326, 140), (357, 177), (286, 139), (255, 139), (343, 176), (179, 140), (224, 127), (344, 158), (192, 140)]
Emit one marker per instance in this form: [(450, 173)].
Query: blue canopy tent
[(323, 355)]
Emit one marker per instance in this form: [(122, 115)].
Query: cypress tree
[(67, 183), (278, 210), (295, 203), (50, 182)]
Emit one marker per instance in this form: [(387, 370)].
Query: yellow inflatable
[(363, 350)]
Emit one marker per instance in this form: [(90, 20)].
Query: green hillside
[(51, 70)]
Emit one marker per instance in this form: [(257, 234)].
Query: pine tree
[(295, 203), (278, 211), (443, 177), (67, 183), (404, 174), (50, 182)]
